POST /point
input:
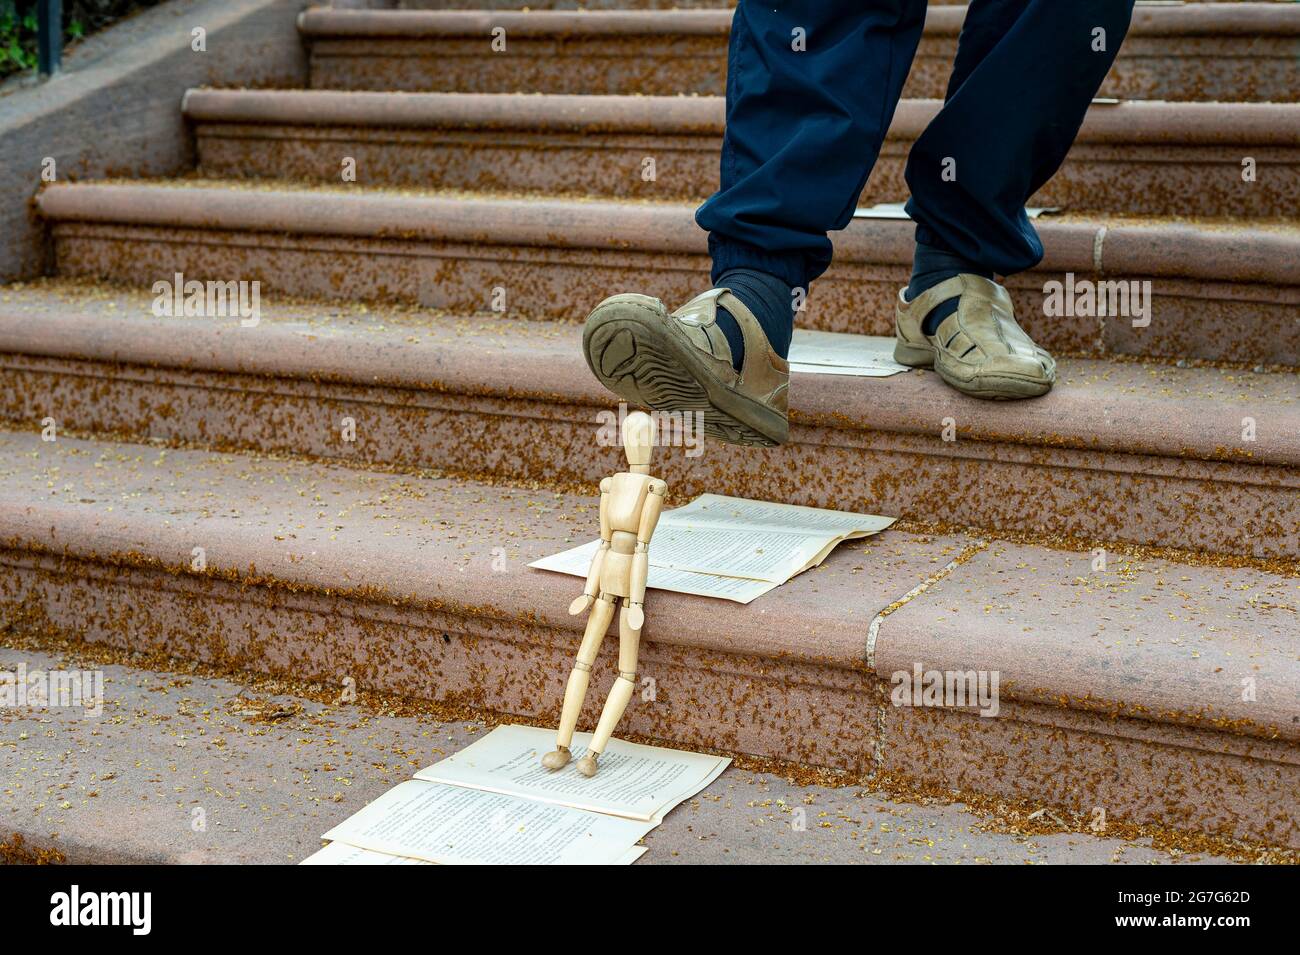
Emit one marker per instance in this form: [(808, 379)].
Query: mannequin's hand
[(581, 603), (635, 618)]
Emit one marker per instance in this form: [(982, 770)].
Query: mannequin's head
[(638, 440)]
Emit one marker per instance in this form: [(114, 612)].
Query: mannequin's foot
[(557, 758), (587, 765)]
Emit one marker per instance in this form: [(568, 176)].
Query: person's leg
[(811, 90), (1024, 75)]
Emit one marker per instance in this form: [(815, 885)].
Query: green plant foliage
[(17, 41), (18, 26)]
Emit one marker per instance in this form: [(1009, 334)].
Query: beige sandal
[(682, 362), (978, 349)]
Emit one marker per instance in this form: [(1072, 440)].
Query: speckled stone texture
[(1121, 554), (1144, 453), (1145, 158), (190, 769), (1218, 291), (1228, 52), (323, 573), (1137, 641)]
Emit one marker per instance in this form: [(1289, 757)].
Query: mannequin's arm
[(590, 591), (654, 505)]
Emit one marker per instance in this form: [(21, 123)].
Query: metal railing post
[(49, 38)]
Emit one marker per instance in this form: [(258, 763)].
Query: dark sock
[(769, 299), (930, 266)]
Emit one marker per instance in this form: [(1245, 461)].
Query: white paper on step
[(814, 352), (340, 853), (635, 782), (741, 513), (733, 548), (458, 826), (577, 560), (897, 210), (493, 803)]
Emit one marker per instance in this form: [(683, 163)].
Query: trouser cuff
[(790, 267), (928, 237)]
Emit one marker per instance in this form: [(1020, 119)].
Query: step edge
[(60, 531), (1203, 19), (477, 365), (1237, 253), (1136, 122)]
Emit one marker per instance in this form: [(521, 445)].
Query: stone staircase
[(1125, 552), (1240, 52)]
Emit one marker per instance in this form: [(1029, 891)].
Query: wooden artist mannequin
[(630, 504)]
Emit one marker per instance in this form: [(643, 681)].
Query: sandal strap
[(985, 316), (936, 295), (763, 371), (701, 313)]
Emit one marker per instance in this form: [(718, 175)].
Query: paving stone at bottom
[(195, 769)]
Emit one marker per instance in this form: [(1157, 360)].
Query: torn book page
[(577, 560), (759, 544), (755, 540), (340, 853), (833, 353), (897, 210), (844, 371), (750, 553), (457, 826), (719, 510), (635, 781)]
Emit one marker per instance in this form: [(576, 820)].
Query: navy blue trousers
[(804, 127)]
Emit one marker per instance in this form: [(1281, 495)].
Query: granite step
[(1196, 289), (193, 766), (1136, 158), (1195, 51), (1159, 692), (1200, 458)]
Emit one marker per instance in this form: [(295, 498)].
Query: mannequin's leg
[(629, 642), (602, 612)]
